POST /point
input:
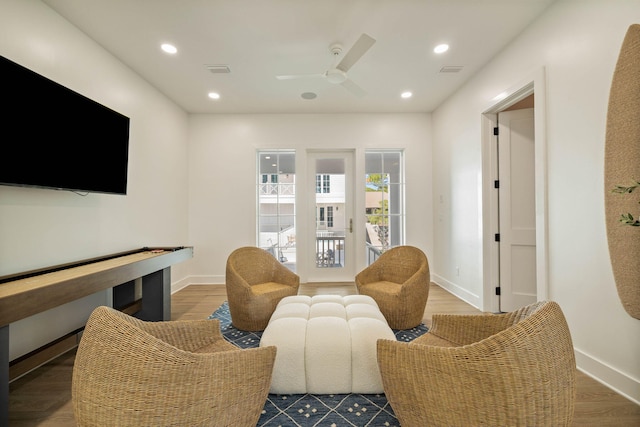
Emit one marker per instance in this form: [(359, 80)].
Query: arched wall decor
[(622, 172)]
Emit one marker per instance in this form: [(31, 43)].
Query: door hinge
[(497, 290), (496, 131), (496, 184), (497, 237)]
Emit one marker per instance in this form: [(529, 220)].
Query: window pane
[(326, 184), (373, 162), (396, 228), (394, 197)]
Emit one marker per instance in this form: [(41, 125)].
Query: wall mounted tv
[(53, 137)]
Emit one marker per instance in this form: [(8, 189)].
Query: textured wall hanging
[(622, 172)]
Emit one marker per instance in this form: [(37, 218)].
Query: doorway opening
[(511, 260)]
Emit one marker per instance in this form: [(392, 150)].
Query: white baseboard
[(456, 290), (197, 280), (608, 376)]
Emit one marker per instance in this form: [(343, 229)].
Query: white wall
[(577, 43), (38, 227), (222, 170)]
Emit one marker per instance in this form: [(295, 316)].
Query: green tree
[(376, 181), (381, 215)]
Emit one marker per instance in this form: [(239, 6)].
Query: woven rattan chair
[(515, 369), (399, 282), (176, 373), (256, 282)]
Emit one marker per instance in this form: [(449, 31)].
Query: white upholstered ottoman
[(326, 344)]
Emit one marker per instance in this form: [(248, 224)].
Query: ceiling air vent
[(451, 69), (218, 69)]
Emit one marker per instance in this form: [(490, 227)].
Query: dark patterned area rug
[(317, 410)]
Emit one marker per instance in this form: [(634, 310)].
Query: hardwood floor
[(43, 397)]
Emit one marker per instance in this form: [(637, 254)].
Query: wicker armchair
[(128, 372), (256, 282), (399, 282), (515, 369)]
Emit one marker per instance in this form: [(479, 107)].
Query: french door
[(330, 209)]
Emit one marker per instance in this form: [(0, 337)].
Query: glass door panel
[(384, 202), (331, 257), (276, 205)]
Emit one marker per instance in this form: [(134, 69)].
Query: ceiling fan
[(338, 73)]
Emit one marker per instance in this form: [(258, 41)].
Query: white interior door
[(516, 170), (331, 255)]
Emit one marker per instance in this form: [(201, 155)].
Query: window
[(276, 204), (384, 201), (323, 184), (330, 216)]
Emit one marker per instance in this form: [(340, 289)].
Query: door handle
[(350, 225)]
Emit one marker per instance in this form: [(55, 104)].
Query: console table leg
[(156, 296), (4, 375)]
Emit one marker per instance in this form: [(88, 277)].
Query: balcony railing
[(274, 189), (373, 252), (329, 251)]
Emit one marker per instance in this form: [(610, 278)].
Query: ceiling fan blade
[(299, 76), (352, 87), (360, 47)]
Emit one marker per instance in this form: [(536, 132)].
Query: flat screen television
[(53, 137)]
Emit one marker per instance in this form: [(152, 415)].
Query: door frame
[(535, 84)]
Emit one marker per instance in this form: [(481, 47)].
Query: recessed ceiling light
[(214, 95), (309, 95), (441, 48), (406, 95), (169, 48)]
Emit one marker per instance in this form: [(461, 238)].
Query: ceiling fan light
[(336, 76)]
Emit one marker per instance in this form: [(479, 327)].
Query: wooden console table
[(25, 294)]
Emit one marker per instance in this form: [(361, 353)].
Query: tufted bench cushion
[(326, 344)]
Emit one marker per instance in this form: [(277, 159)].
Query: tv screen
[(53, 137)]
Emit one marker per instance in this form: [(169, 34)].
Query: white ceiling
[(259, 39)]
